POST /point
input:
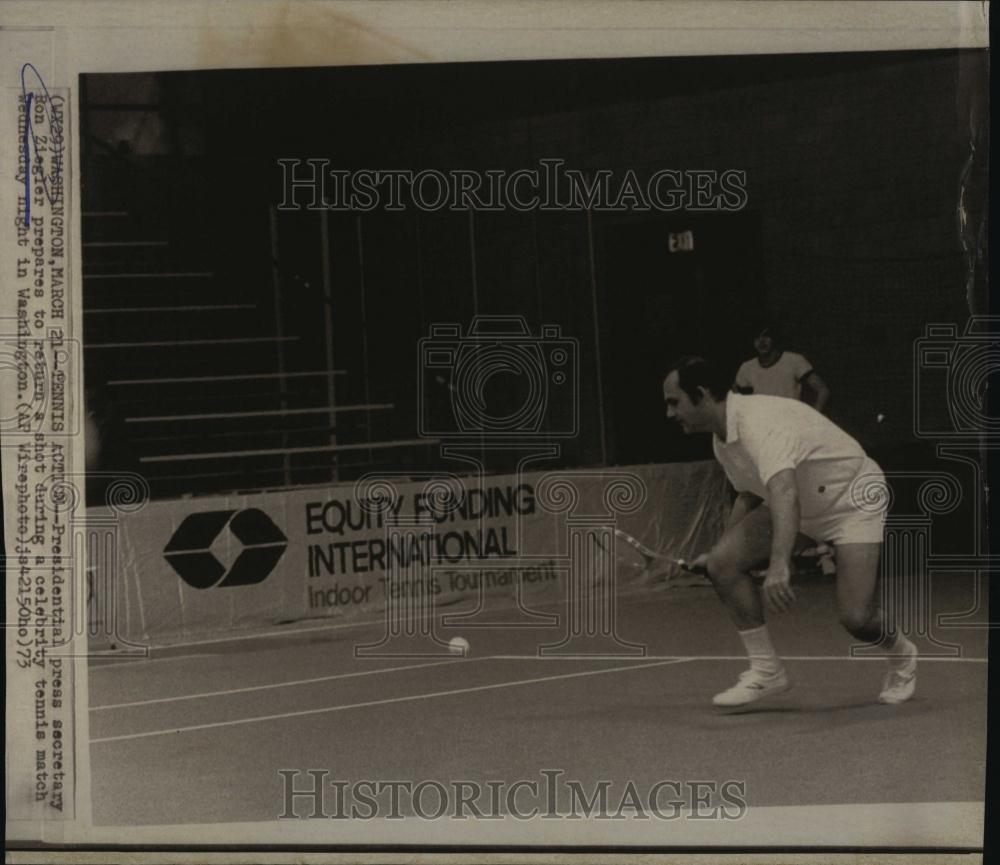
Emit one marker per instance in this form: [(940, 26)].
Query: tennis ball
[(459, 646)]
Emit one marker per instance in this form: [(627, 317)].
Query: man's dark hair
[(694, 372), (772, 330)]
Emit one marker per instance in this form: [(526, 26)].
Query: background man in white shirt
[(795, 472), (775, 372)]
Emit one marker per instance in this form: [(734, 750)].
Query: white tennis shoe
[(901, 678), (752, 686)]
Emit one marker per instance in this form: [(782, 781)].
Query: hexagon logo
[(189, 552)]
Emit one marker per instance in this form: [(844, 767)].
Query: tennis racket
[(651, 557)]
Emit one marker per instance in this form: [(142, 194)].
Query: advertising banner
[(196, 567)]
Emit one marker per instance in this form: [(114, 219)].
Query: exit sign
[(681, 241)]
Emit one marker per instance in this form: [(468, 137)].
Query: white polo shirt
[(782, 378), (767, 434)]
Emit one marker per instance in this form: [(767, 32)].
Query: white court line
[(278, 684), (923, 659), (641, 593), (386, 702), (340, 626), (113, 662)]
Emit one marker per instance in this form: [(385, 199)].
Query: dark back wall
[(854, 167)]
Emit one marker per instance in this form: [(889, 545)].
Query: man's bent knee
[(859, 621)]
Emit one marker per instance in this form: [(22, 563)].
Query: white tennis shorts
[(856, 511)]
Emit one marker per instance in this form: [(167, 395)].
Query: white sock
[(899, 648), (761, 650)]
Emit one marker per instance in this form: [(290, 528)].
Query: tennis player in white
[(796, 474)]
